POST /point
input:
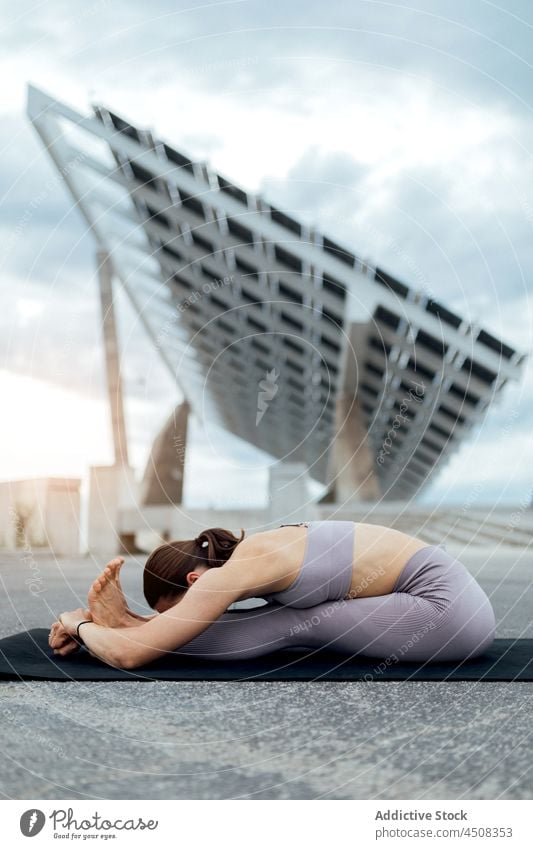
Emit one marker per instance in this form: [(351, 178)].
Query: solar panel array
[(255, 313)]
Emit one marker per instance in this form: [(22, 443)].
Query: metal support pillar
[(114, 383)]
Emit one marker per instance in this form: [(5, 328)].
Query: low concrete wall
[(481, 527), (41, 513)]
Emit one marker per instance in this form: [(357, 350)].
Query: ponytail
[(217, 545), (167, 567)]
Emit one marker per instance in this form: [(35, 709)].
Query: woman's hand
[(61, 642), (63, 632), (71, 619)]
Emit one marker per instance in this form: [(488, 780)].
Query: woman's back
[(312, 562)]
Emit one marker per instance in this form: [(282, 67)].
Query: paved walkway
[(262, 740)]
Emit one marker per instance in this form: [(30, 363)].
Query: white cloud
[(50, 431)]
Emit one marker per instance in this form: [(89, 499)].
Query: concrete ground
[(263, 740)]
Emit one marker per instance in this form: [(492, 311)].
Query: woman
[(351, 587)]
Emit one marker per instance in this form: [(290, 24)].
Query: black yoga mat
[(28, 656)]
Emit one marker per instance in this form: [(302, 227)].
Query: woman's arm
[(127, 648), (63, 643)]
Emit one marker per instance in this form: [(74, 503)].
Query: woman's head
[(174, 566)]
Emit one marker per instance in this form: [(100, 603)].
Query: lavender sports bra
[(326, 572)]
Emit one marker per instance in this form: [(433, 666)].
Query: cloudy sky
[(405, 131)]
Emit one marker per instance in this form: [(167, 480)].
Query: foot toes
[(115, 567), (95, 586)]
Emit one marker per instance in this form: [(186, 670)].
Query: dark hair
[(167, 567)]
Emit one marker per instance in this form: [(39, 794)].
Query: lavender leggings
[(436, 611)]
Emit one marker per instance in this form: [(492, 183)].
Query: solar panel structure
[(273, 330)]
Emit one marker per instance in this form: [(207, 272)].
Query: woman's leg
[(248, 633)]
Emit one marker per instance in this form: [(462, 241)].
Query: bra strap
[(295, 525)]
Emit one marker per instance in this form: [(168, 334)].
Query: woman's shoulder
[(257, 544), (269, 542)]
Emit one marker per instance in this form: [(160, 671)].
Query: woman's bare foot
[(130, 613), (106, 599)]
